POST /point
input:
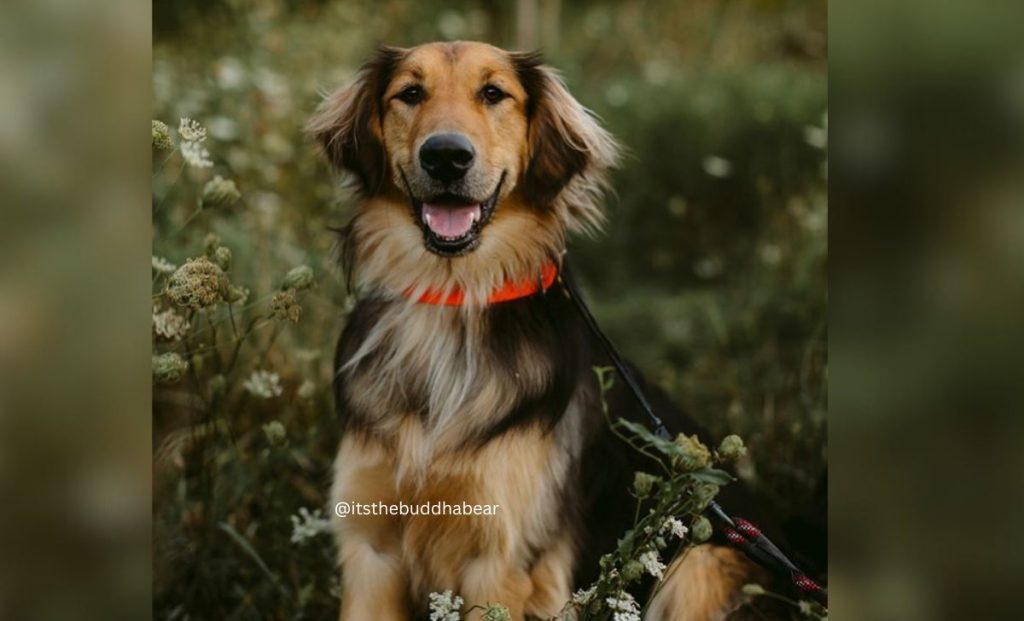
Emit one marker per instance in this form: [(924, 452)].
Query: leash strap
[(739, 532)]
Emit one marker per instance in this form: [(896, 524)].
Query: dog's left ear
[(565, 141), (347, 124)]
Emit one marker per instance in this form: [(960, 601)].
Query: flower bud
[(210, 244), (632, 570), (168, 368), (220, 192), (732, 448), (694, 454), (753, 589), (700, 529), (705, 493), (237, 295), (298, 278), (161, 136), (643, 483), (222, 257)]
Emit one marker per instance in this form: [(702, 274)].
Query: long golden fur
[(477, 403)]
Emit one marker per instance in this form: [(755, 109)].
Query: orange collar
[(506, 292)]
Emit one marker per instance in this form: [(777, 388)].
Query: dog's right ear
[(347, 124)]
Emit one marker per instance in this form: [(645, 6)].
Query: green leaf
[(641, 432), (713, 475)]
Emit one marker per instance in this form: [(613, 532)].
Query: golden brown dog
[(464, 373)]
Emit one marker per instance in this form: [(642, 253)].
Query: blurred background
[(926, 109), (710, 276)]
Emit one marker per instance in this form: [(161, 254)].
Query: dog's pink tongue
[(451, 222)]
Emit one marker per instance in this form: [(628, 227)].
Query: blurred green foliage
[(711, 275)]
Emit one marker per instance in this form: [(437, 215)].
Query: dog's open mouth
[(452, 224)]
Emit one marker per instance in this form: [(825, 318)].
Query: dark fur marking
[(555, 160), (349, 143)]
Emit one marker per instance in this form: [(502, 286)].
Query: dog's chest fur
[(484, 408)]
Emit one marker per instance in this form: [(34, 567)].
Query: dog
[(464, 374)]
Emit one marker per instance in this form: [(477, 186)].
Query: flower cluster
[(191, 131), (652, 564), (198, 284), (582, 597), (674, 527), (624, 607), (445, 607), (170, 325), (687, 481), (163, 266), (285, 307), (192, 136), (196, 155), (306, 525), (161, 136), (264, 384)]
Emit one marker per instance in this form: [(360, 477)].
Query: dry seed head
[(284, 306), (198, 284)]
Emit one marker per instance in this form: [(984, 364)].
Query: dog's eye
[(411, 95), (492, 94)]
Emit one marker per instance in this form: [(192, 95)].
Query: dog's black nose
[(447, 157)]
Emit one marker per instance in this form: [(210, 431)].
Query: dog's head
[(484, 152)]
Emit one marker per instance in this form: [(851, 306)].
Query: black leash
[(738, 531)]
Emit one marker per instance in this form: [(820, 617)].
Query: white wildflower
[(264, 384), (195, 155), (717, 166), (163, 266), (306, 525), (191, 131), (652, 563), (624, 607), (582, 597), (170, 325), (445, 607), (674, 526)]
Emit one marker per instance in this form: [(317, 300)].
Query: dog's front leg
[(373, 585)]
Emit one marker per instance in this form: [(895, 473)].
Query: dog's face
[(454, 123), (479, 147)]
